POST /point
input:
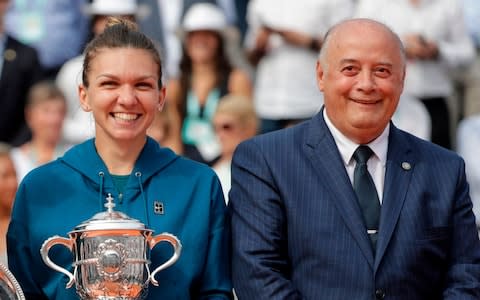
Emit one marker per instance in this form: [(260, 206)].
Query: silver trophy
[(111, 253), (9, 287)]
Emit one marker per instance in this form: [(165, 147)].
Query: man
[(299, 226), (19, 70)]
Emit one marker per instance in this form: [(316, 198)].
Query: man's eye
[(349, 70), (383, 72)]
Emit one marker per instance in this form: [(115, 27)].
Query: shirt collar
[(347, 147)]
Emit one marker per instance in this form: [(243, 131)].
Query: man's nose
[(366, 82)]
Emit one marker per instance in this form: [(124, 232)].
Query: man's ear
[(320, 74), (82, 95)]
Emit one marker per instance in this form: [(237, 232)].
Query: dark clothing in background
[(21, 69)]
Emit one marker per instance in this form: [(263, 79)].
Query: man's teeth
[(125, 116)]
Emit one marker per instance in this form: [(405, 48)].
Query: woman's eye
[(144, 85), (108, 83)]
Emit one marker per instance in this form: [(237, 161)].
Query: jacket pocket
[(435, 233)]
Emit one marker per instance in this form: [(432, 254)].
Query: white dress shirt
[(376, 164)]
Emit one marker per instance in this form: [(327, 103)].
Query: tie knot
[(362, 154)]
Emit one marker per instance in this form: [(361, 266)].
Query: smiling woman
[(122, 88)]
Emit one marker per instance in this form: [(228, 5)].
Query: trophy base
[(134, 292)]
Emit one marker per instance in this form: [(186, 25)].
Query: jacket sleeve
[(463, 276), (260, 264), (20, 260), (216, 280)]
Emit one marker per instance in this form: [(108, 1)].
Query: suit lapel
[(398, 174), (10, 59), (323, 152)]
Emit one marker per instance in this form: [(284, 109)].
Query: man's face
[(361, 76)]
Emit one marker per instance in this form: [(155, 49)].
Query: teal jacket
[(55, 198)]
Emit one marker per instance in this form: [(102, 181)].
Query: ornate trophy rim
[(110, 220)]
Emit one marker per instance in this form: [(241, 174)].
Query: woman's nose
[(127, 95)]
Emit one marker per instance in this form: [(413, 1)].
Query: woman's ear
[(82, 95), (161, 99)]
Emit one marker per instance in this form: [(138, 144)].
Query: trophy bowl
[(111, 256)]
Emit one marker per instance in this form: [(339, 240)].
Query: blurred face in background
[(8, 183), (231, 131), (202, 45), (45, 119)]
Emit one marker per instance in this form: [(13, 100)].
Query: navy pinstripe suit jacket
[(297, 230)]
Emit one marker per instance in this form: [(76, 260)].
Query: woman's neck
[(119, 156)]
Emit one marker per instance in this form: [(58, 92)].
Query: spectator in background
[(206, 75), (57, 29), (160, 20), (79, 124), (436, 42), (159, 130), (19, 70), (8, 188), (45, 113), (468, 145), (241, 8), (282, 41), (412, 116), (234, 121), (470, 74)]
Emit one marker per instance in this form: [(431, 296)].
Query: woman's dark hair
[(120, 33)]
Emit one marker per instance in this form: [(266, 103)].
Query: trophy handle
[(57, 240), (167, 237)]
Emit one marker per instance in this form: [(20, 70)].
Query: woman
[(206, 74), (45, 112), (8, 188), (234, 121), (122, 88)]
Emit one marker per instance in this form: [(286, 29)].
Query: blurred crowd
[(233, 69)]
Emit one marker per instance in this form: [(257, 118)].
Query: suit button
[(379, 294)]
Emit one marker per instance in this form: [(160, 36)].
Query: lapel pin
[(158, 208), (10, 54), (406, 166)]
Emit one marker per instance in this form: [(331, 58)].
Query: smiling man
[(346, 205)]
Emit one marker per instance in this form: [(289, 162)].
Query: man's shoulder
[(423, 148), (281, 138)]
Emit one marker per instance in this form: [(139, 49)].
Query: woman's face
[(45, 119), (123, 93), (8, 183), (202, 45)]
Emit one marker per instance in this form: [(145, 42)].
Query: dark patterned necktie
[(366, 192)]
